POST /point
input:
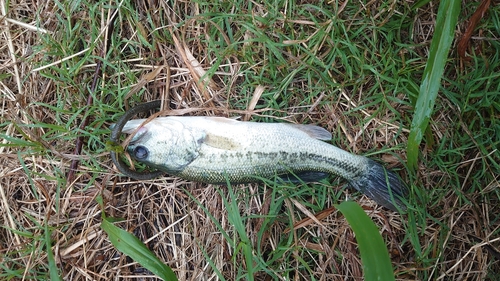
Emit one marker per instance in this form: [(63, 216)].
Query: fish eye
[(140, 152)]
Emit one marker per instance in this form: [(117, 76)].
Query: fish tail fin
[(381, 185)]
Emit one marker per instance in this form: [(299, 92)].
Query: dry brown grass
[(160, 212)]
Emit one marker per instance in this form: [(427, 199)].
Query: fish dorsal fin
[(221, 142), (313, 131)]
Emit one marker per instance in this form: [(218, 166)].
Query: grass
[(354, 68), (447, 18)]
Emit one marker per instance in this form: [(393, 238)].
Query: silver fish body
[(217, 150)]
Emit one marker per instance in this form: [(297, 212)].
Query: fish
[(220, 150)]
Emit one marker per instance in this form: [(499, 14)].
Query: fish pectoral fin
[(313, 131), (221, 142)]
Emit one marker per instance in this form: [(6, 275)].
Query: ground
[(70, 69)]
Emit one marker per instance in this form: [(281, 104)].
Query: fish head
[(165, 144)]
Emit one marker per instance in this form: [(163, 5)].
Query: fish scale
[(264, 167)]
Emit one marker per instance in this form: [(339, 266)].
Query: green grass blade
[(374, 254), (441, 42), (135, 249), (420, 4), (234, 217), (53, 270)]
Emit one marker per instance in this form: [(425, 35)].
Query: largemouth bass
[(216, 150)]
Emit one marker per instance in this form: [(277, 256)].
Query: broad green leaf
[(441, 41), (128, 244), (374, 254)]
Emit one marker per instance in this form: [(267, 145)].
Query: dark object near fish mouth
[(115, 136)]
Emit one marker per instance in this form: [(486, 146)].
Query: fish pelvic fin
[(382, 186)]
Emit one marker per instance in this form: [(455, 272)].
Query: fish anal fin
[(304, 177), (313, 131)]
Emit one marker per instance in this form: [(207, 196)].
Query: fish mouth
[(116, 132)]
